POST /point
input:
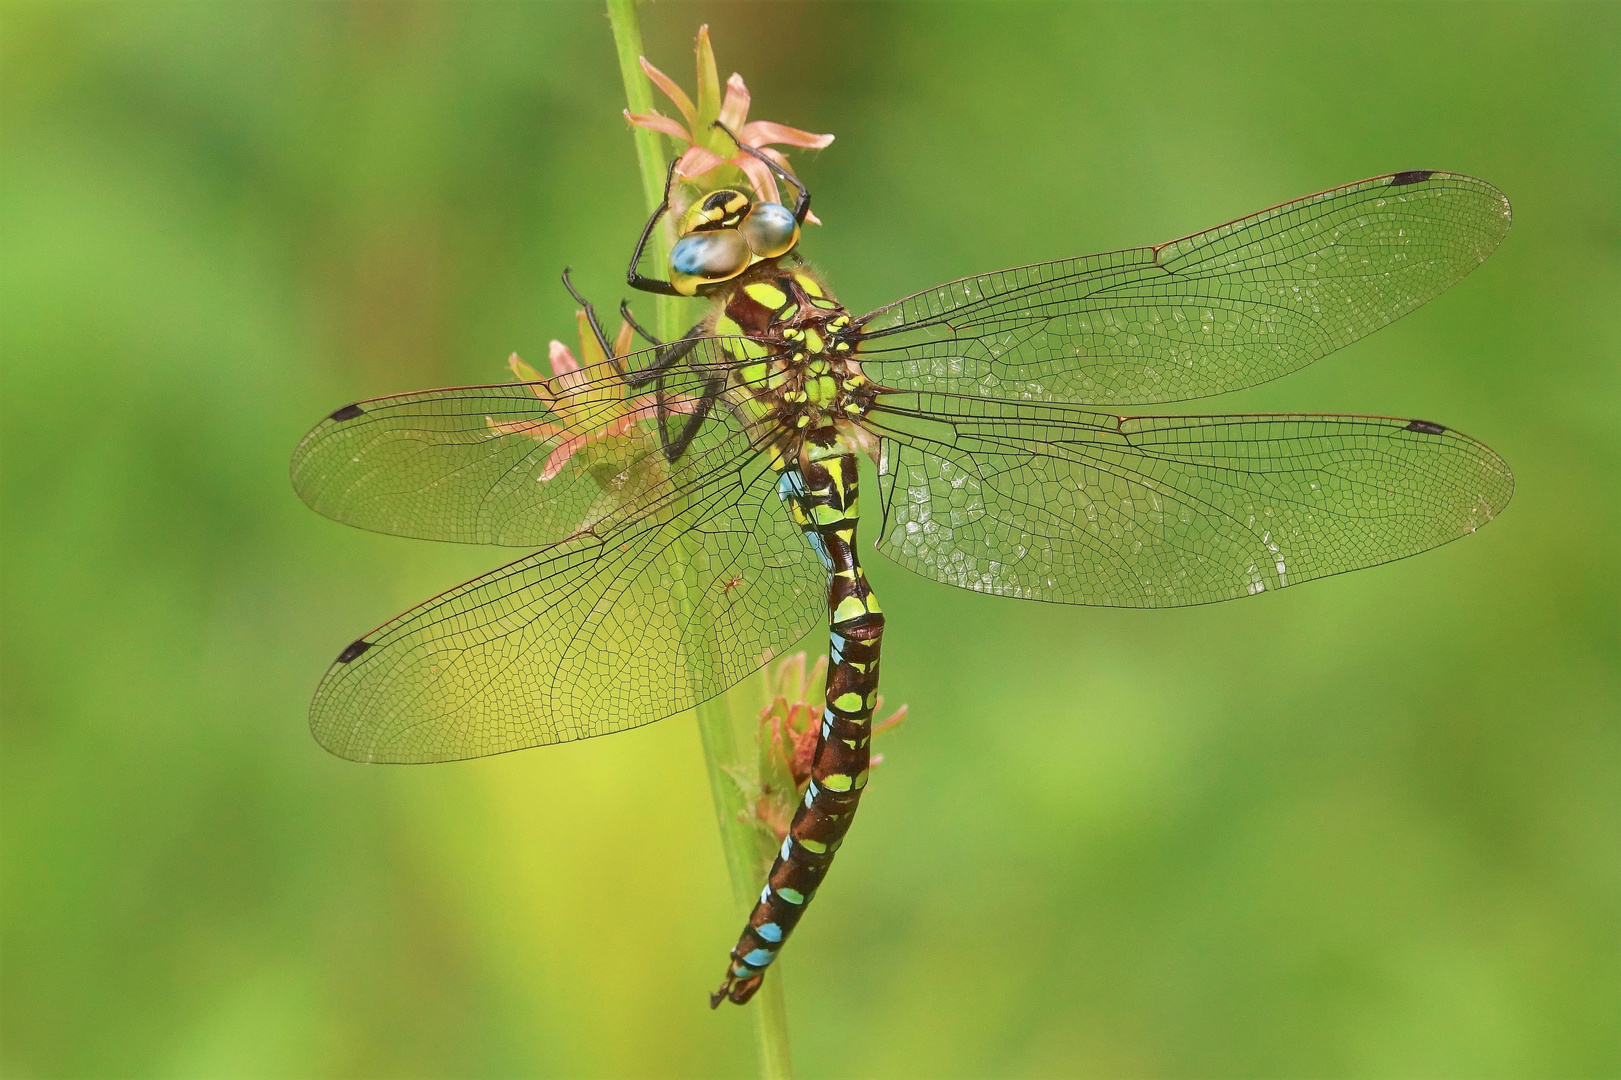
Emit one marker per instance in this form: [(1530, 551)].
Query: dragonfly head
[(725, 233)]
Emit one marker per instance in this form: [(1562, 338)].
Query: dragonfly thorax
[(794, 347)]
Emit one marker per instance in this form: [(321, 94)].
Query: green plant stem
[(650, 159), (724, 724)]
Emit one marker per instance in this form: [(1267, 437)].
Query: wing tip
[(1408, 177), (347, 741)]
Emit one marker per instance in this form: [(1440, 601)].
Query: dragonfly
[(691, 508)]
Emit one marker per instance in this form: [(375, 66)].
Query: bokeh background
[(1363, 828)]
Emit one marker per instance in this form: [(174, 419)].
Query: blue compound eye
[(770, 230), (706, 257)]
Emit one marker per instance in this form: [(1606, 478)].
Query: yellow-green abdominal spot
[(830, 454), (793, 896), (851, 607), (837, 782), (849, 703), (815, 847)]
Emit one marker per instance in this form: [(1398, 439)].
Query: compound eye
[(703, 258), (770, 230)]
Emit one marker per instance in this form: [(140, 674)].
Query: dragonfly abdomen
[(821, 495)]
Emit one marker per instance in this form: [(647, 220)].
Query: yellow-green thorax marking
[(796, 358)]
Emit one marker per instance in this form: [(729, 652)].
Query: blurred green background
[(1364, 828)]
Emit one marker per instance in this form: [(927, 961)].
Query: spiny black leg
[(685, 343), (624, 313), (712, 392), (633, 277), (663, 415), (669, 356), (666, 358), (591, 318), (802, 206), (692, 334)]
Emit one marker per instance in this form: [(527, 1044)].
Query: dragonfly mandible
[(695, 504)]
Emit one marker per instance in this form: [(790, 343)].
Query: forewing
[(1223, 309), (1076, 507), (595, 635), (499, 464)]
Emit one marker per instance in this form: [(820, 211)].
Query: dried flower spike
[(708, 148), (787, 741), (590, 407)]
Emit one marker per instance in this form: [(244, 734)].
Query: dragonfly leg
[(802, 204), (625, 313), (633, 277), (674, 450), (668, 355), (591, 317)]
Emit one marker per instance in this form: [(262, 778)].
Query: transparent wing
[(1057, 503), (1223, 309), (519, 464), (703, 584)]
